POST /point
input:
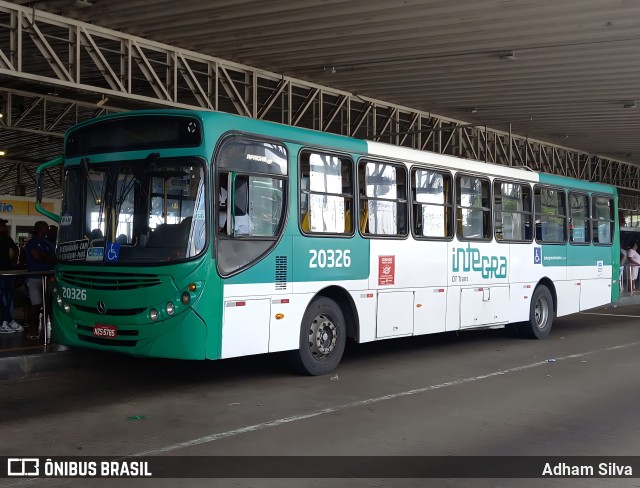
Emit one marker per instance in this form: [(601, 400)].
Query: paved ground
[(472, 394)]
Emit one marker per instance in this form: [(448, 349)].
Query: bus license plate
[(109, 331)]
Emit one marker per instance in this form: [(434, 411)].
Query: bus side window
[(326, 193), (550, 215), (384, 196), (474, 208), (432, 203), (512, 211)]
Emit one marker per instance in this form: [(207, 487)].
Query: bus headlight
[(153, 314), (66, 307), (59, 300), (185, 298), (170, 308)]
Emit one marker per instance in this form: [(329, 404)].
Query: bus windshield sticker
[(261, 159), (95, 254), (73, 250), (386, 270)]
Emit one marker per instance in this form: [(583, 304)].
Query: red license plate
[(108, 331)]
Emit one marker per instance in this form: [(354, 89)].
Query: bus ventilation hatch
[(281, 272)]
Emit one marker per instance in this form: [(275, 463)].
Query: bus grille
[(121, 312), (109, 281), (281, 272)]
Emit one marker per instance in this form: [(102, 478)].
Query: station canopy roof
[(565, 72)]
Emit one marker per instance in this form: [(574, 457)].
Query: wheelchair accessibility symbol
[(113, 252), (537, 255)]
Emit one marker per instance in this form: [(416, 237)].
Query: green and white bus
[(204, 235)]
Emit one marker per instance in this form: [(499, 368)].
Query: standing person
[(8, 260), (40, 257), (634, 262), (624, 262)]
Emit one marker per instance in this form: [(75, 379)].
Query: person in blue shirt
[(40, 256), (8, 259)]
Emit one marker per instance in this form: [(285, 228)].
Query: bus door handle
[(486, 293)]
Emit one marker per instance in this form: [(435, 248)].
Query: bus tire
[(323, 335), (540, 315)]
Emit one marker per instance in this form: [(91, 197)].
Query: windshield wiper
[(136, 177)]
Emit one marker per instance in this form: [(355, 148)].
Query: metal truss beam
[(22, 173), (629, 202), (93, 60), (45, 114)]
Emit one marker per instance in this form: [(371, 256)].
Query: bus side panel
[(568, 295), (366, 302), (247, 298), (592, 267), (414, 267), (554, 263), (430, 312), (264, 304), (525, 270), (478, 273), (285, 320), (595, 293), (245, 327), (397, 264)]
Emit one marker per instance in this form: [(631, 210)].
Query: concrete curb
[(624, 301), (29, 365)]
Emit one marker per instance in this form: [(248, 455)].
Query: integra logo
[(470, 259)]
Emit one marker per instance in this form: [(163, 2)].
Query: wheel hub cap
[(323, 335), (541, 312)]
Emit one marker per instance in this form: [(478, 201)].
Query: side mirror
[(59, 161)]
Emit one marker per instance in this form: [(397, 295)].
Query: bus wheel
[(540, 314), (322, 338)]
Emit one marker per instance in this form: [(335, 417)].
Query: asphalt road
[(481, 393)]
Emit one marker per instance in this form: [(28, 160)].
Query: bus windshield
[(133, 212)]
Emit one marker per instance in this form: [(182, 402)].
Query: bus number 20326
[(330, 258)]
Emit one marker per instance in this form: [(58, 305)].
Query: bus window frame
[(451, 205), (354, 184), (456, 206), (531, 213), (613, 221), (589, 217), (214, 201), (286, 178), (363, 160), (566, 217), (206, 178)]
